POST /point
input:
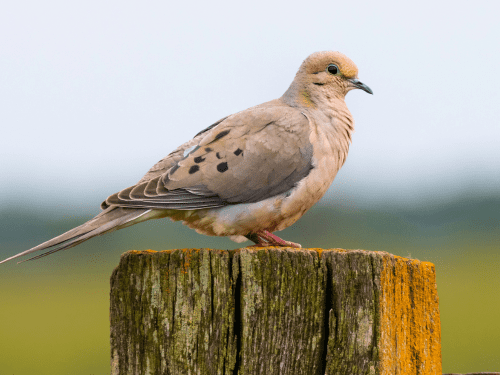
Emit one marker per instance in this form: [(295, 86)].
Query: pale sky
[(93, 94)]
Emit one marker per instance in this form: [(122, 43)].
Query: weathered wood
[(273, 311), (383, 315), (282, 311), (172, 312)]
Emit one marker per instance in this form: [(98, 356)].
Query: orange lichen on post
[(132, 252), (320, 251), (332, 311), (410, 328), (135, 252)]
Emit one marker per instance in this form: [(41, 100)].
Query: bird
[(247, 175)]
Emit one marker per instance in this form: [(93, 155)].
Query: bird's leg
[(264, 238)]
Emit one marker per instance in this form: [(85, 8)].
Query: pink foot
[(264, 238)]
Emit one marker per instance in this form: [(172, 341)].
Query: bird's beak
[(357, 84)]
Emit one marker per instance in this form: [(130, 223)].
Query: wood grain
[(273, 311)]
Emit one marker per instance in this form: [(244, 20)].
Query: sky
[(92, 94)]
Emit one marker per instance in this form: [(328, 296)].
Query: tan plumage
[(250, 173)]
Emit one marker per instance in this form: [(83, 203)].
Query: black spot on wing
[(220, 135), (238, 151), (211, 126), (222, 167), (194, 169), (208, 149), (173, 169), (199, 159), (218, 156)]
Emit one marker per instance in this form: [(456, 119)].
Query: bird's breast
[(329, 153), (281, 211)]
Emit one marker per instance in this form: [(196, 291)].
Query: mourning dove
[(250, 173)]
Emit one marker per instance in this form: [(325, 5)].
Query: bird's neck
[(328, 110), (303, 94)]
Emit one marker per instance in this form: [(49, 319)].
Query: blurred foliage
[(54, 312)]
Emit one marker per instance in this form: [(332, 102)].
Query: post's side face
[(274, 311), (282, 311), (384, 315), (410, 340), (172, 312), (353, 290)]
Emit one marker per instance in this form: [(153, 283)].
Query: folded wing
[(248, 157)]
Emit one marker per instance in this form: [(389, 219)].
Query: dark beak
[(356, 83)]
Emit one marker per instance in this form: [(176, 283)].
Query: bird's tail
[(109, 220)]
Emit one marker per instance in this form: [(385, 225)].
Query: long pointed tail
[(109, 220)]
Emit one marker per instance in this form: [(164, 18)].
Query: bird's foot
[(264, 238)]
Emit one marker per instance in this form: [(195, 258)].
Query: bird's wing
[(177, 155), (248, 157)]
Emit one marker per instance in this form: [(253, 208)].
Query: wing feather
[(245, 158)]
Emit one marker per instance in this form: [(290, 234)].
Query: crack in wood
[(327, 312), (237, 327), (273, 311)]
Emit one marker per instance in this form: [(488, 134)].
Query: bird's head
[(325, 75)]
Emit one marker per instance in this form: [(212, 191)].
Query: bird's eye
[(333, 69)]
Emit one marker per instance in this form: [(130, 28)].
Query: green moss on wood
[(282, 307), (272, 311), (172, 312)]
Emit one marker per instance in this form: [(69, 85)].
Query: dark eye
[(333, 69)]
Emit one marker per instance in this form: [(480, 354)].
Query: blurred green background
[(54, 312), (93, 93)]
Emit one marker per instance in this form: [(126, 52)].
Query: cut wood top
[(275, 311)]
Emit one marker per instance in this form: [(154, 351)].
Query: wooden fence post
[(274, 311)]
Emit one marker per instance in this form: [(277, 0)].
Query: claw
[(264, 238)]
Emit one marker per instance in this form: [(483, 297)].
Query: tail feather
[(109, 220)]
